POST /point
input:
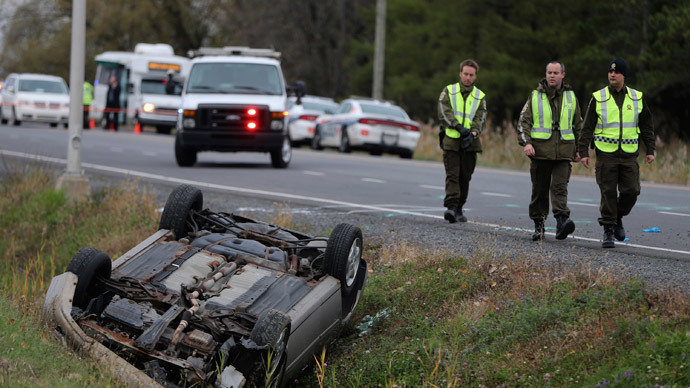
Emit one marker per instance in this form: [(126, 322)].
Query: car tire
[(88, 264), (181, 201), (316, 140), (344, 146), (164, 129), (53, 125), (184, 156), (343, 254), (406, 154), (281, 158), (272, 329)]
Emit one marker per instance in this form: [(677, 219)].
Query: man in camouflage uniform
[(617, 118), (549, 125), (462, 112)]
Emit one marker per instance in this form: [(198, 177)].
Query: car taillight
[(407, 127), (308, 117), (411, 128)]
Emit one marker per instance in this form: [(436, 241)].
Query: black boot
[(618, 230), (459, 217), (451, 214), (564, 226), (538, 231), (608, 237)]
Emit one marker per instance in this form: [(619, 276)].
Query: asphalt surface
[(502, 233)]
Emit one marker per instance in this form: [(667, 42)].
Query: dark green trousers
[(549, 176), (459, 168), (619, 184)]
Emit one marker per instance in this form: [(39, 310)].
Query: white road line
[(432, 187), (496, 194), (373, 180), (214, 186), (316, 173), (676, 214), (583, 204)]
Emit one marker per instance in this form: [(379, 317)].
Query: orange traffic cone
[(137, 128), (92, 124), (112, 127)]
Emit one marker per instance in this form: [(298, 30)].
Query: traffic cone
[(112, 127), (137, 128), (92, 124)]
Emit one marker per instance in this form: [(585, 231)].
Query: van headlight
[(148, 107)]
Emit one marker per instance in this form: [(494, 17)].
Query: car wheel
[(316, 140), (182, 200), (14, 118), (344, 141), (406, 154), (184, 156), (88, 264), (66, 125), (164, 129), (281, 158), (272, 329), (343, 253), (53, 125)]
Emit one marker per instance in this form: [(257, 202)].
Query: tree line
[(330, 44)]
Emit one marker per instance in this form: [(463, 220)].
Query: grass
[(427, 318), (500, 149)]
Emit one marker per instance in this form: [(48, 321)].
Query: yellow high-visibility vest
[(614, 126), (459, 105), (542, 119)]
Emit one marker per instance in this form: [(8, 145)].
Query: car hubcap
[(353, 262)]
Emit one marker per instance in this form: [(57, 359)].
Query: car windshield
[(318, 106), (42, 86), (392, 111), (241, 78), (156, 86)]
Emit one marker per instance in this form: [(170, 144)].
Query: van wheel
[(164, 129), (184, 156), (14, 118), (281, 158), (89, 264), (181, 201)]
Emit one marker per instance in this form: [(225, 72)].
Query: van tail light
[(407, 127)]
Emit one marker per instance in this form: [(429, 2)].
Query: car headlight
[(148, 107)]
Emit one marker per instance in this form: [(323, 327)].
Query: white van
[(142, 76), (35, 97), (234, 100)]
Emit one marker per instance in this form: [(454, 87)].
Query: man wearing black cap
[(617, 118), (549, 125), (462, 112)]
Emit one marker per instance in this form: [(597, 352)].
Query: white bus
[(142, 76)]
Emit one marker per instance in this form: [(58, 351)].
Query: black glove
[(441, 135), (466, 142), (464, 132)]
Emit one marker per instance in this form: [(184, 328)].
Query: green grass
[(427, 318)]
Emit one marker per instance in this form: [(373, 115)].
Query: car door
[(330, 129), (8, 96)]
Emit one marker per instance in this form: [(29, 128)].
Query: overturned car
[(211, 299)]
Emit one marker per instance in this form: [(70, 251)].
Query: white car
[(35, 97), (370, 125), (302, 116)]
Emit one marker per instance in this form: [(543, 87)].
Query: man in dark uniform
[(462, 112), (112, 104), (549, 125), (617, 118)]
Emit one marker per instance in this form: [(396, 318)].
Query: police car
[(302, 115), (370, 125)]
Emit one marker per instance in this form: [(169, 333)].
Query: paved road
[(361, 183)]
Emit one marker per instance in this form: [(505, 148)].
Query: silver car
[(211, 298)]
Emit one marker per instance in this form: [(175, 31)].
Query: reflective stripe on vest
[(458, 104), (610, 131), (542, 122)]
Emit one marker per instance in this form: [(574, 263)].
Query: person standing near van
[(112, 104), (88, 98), (548, 129)]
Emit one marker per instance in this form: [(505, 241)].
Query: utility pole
[(379, 49), (76, 186)]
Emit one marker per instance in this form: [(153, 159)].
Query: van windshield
[(42, 86), (156, 86), (235, 78)]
